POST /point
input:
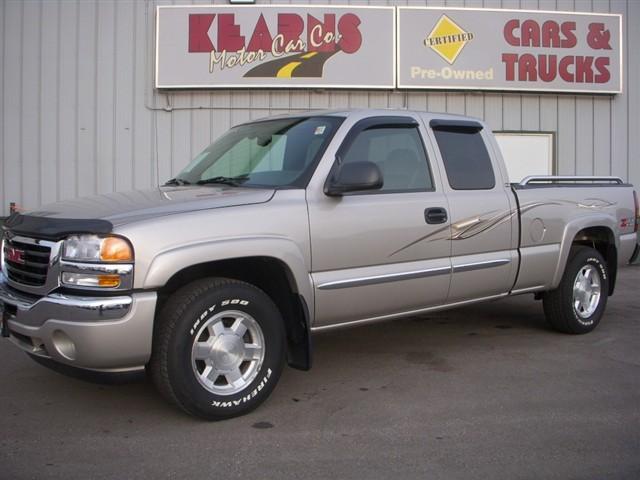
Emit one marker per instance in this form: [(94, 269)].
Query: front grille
[(33, 271)]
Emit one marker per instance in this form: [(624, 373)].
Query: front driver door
[(374, 255)]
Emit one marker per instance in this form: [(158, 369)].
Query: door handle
[(435, 215)]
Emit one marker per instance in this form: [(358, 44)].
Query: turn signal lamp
[(90, 280), (115, 249)]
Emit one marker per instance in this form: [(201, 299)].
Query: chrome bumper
[(96, 333)]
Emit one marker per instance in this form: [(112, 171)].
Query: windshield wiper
[(177, 181), (233, 181)]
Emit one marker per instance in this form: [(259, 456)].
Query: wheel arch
[(597, 233), (282, 276)]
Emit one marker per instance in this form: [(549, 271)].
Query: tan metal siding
[(633, 93), (80, 116), (3, 17), (12, 103)]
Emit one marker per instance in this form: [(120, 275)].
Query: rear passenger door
[(483, 247), (374, 254)]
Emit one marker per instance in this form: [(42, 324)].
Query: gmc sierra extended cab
[(296, 224)]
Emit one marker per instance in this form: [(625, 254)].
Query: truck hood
[(114, 209)]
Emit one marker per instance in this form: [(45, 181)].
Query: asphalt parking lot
[(482, 392)]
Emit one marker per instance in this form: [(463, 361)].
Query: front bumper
[(96, 333)]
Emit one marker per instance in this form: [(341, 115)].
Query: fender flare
[(571, 229), (171, 261)]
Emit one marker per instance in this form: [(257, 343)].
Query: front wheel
[(578, 303), (218, 348)]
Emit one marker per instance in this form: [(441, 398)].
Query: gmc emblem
[(14, 255)]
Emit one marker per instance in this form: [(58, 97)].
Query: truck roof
[(364, 112)]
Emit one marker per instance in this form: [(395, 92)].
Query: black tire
[(558, 304), (177, 328)]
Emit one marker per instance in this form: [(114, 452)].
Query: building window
[(526, 154)]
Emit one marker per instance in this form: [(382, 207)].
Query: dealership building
[(114, 95)]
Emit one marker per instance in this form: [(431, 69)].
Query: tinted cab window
[(466, 159)]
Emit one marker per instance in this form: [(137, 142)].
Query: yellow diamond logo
[(447, 39)]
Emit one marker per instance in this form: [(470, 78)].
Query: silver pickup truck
[(298, 224)]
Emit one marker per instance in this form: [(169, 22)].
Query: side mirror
[(354, 177)]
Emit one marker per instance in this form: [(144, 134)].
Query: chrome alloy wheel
[(227, 352), (586, 291)]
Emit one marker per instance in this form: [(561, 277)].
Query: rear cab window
[(466, 160)]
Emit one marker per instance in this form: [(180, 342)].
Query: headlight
[(92, 248)]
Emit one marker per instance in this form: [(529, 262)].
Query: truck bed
[(554, 209)]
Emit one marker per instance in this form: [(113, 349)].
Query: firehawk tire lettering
[(246, 398)]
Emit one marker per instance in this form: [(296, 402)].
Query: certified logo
[(447, 39), (14, 255)]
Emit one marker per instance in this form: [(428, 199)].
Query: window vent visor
[(467, 126)]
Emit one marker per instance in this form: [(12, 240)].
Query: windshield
[(273, 153)]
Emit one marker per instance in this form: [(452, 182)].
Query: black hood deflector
[(54, 228)]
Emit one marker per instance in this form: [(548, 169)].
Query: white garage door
[(526, 153)]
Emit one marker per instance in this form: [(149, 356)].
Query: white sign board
[(287, 46), (489, 49)]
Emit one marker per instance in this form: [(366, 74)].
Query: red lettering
[(527, 68), (530, 33), (570, 40), (509, 27), (547, 36), (351, 38), (290, 26), (598, 37), (602, 64), (316, 31), (547, 67), (584, 74), (510, 60), (550, 34), (565, 74), (261, 38), (229, 37), (199, 24)]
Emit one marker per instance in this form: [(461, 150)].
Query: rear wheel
[(578, 303), (218, 348)]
